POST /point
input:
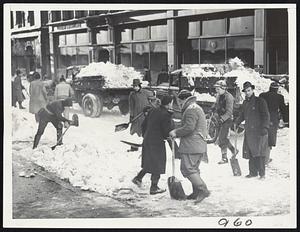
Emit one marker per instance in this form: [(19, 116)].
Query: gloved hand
[(264, 131)]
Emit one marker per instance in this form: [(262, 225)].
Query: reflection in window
[(241, 25), (212, 51), (124, 54), (191, 53), (140, 33), (70, 39), (194, 29), (241, 47), (213, 27), (159, 32), (158, 59), (82, 39), (140, 55), (125, 35), (82, 55), (102, 37)]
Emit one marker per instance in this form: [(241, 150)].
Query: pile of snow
[(204, 97), (202, 70), (23, 126), (284, 93), (116, 76)]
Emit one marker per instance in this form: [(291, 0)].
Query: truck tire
[(92, 105), (212, 129), (124, 107)]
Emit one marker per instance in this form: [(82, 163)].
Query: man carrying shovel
[(193, 146), (52, 112)]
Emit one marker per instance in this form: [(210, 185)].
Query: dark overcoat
[(137, 102), (156, 128), (256, 115), (18, 89), (275, 104)]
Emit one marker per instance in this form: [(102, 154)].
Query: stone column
[(260, 63), (171, 41)]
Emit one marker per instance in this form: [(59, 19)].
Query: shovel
[(175, 187), (75, 122), (234, 161), (124, 126)]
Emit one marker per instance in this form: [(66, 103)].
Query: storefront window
[(102, 37), (241, 25), (140, 55), (191, 53), (241, 47), (159, 32), (140, 33), (69, 14), (125, 35), (212, 51), (158, 59), (82, 39), (124, 54), (70, 39), (213, 27), (194, 29), (82, 55), (62, 40)]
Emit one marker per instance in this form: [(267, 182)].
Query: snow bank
[(116, 76), (23, 125), (206, 97)]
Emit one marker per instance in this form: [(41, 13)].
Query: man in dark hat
[(276, 105), (257, 120), (155, 129), (223, 109), (52, 112), (193, 146), (138, 100)]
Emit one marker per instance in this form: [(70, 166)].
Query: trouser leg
[(267, 157), (197, 182), (260, 165), (252, 167), (40, 131), (154, 180), (141, 175), (224, 142), (37, 118), (58, 125)]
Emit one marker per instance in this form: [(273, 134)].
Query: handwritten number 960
[(237, 222)]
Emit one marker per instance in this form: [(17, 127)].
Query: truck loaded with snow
[(99, 85)]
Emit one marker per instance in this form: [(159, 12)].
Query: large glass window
[(241, 25), (140, 55), (102, 37), (194, 29), (125, 35), (213, 27), (191, 53), (141, 33), (124, 54), (212, 51), (82, 39), (159, 32), (69, 14), (241, 47), (158, 59), (82, 55), (70, 39)]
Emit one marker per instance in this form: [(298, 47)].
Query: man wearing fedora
[(257, 120), (223, 109), (276, 105), (138, 100)]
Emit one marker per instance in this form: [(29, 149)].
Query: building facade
[(161, 40)]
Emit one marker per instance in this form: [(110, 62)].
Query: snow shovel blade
[(121, 127), (132, 144), (175, 189), (235, 166), (75, 121)]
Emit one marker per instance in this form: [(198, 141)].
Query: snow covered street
[(93, 158)]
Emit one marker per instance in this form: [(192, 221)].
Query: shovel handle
[(60, 138), (173, 157), (235, 140)]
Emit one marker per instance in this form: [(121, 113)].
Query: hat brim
[(252, 86)]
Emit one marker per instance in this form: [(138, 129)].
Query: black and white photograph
[(149, 116)]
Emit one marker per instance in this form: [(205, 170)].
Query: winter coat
[(193, 129), (19, 96), (62, 91), (256, 115), (54, 109), (137, 102), (275, 104), (38, 96), (156, 128), (224, 106)]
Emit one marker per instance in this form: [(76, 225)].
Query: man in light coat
[(255, 113), (63, 91), (193, 146), (38, 95)]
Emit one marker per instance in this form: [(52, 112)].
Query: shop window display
[(158, 59), (212, 51), (140, 55), (124, 54), (159, 32), (141, 33)]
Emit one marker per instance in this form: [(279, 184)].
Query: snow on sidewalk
[(92, 158)]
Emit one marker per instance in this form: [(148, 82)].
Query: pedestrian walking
[(192, 147), (276, 105), (38, 95), (62, 91), (52, 112), (138, 100), (155, 129), (17, 90), (254, 112), (223, 109)]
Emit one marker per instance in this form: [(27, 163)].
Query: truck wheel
[(124, 107), (92, 105), (212, 129)]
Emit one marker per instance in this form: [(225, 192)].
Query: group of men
[(261, 116)]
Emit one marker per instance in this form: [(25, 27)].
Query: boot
[(156, 190), (224, 159), (59, 137), (194, 194), (202, 191), (36, 141), (137, 181), (202, 194)]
